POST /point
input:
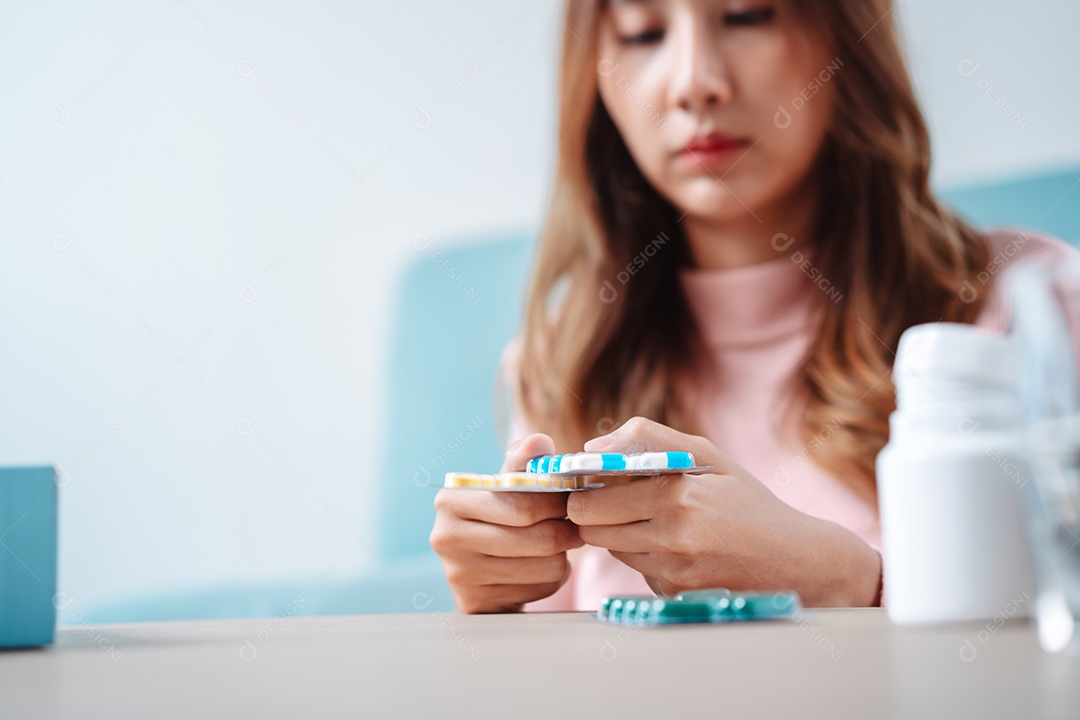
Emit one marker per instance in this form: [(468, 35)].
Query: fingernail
[(601, 443)]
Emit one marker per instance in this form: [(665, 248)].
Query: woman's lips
[(711, 150)]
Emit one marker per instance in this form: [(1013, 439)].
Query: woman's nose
[(699, 78)]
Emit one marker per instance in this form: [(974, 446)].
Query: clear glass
[(1051, 400), (1053, 525)]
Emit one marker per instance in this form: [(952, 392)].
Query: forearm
[(836, 568)]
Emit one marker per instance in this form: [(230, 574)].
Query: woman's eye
[(646, 38), (758, 16)]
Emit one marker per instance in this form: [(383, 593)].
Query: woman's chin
[(716, 206)]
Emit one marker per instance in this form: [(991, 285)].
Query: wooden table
[(830, 664)]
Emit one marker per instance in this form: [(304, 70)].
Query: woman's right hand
[(501, 550)]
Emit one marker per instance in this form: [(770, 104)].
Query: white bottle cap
[(938, 353)]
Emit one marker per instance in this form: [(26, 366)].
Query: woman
[(740, 230)]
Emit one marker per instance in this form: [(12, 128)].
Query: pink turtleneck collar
[(755, 304)]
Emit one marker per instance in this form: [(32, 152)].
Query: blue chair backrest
[(457, 309), (1049, 202)]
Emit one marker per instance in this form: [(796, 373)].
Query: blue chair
[(456, 310), (1049, 202)]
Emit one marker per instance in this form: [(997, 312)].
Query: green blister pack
[(716, 605)]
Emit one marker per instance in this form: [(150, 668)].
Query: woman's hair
[(608, 350)]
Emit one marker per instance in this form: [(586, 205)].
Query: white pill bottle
[(953, 541)]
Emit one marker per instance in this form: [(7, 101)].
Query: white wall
[(178, 180), (148, 175), (998, 83)]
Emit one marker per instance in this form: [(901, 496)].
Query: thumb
[(530, 446), (638, 435)]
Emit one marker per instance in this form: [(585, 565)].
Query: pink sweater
[(757, 322)]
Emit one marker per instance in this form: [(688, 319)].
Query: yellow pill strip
[(518, 482)]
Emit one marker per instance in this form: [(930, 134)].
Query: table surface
[(829, 664)]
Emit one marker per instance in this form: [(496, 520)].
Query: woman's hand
[(501, 550), (724, 529)]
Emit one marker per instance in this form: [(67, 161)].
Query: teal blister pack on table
[(717, 605)]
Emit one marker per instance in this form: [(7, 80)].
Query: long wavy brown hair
[(591, 359)]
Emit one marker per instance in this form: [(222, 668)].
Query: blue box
[(28, 535)]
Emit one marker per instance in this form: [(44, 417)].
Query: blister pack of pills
[(579, 471), (717, 605), (585, 463)]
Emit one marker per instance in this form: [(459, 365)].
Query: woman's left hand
[(724, 529)]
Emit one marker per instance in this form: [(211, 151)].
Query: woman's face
[(723, 104)]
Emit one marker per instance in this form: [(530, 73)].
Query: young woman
[(740, 230)]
